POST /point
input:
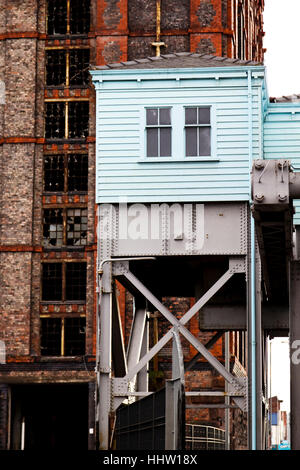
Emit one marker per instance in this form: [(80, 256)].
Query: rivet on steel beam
[(259, 165), (259, 197)]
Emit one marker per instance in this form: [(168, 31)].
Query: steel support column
[(137, 338), (295, 353), (255, 371), (175, 402), (258, 354), (143, 376), (105, 358), (227, 398)]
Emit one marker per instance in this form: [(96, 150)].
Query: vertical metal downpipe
[(252, 276)]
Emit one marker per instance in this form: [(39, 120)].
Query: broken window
[(67, 120), (64, 227), (77, 172), (52, 282), (55, 120), (51, 336), (66, 173), (74, 344), (68, 17), (75, 281), (56, 67), (53, 228), (76, 227), (78, 119), (63, 336), (79, 16), (64, 281), (79, 60), (67, 67), (54, 173), (57, 17)]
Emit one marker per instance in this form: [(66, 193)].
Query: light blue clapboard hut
[(186, 127)]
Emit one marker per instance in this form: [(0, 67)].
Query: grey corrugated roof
[(285, 99), (179, 60)]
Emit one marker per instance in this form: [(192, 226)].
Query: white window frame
[(158, 127), (178, 134), (197, 126)]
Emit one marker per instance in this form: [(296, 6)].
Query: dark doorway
[(49, 417)]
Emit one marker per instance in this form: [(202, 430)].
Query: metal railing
[(199, 437)]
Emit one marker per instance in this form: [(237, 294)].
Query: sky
[(280, 371), (282, 40)]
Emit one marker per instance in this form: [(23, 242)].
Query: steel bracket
[(237, 265), (120, 387), (239, 392), (120, 268)]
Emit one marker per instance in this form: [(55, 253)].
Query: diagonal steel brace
[(235, 265)]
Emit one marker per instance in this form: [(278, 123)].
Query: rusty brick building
[(47, 210)]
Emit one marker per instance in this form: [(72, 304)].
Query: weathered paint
[(124, 172)]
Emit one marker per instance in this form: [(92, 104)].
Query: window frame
[(65, 179), (67, 68), (61, 334), (68, 22), (65, 231), (158, 126), (178, 134), (197, 126), (66, 127), (63, 280)]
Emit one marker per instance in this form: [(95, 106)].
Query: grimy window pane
[(204, 115), (76, 227), (165, 142), (78, 119), (204, 141), (52, 281), (79, 16), (191, 115), (52, 228), (79, 66), (74, 336), (165, 116), (50, 336), (152, 117), (57, 17), (77, 172), (56, 67), (152, 142), (55, 121), (54, 173), (75, 281), (191, 141)]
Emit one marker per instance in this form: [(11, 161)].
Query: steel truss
[(130, 370)]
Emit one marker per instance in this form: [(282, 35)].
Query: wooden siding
[(282, 137), (123, 172)]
